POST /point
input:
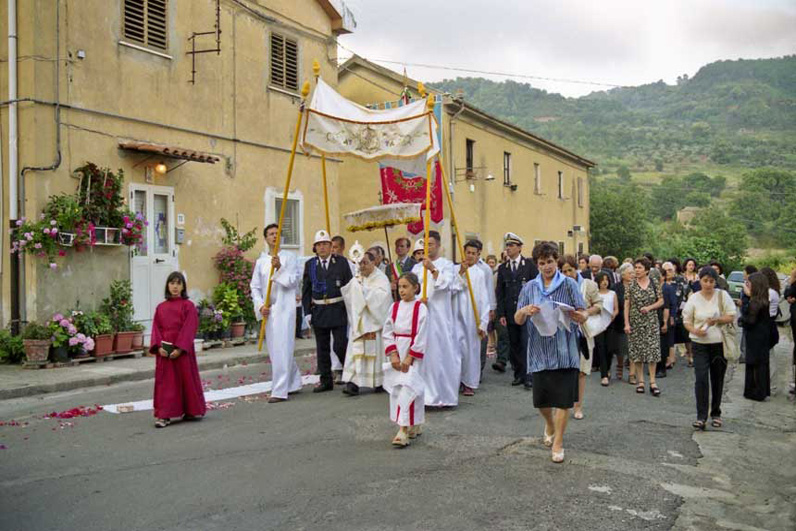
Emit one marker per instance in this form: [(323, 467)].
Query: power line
[(487, 72)]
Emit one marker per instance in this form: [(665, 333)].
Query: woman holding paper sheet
[(553, 359)]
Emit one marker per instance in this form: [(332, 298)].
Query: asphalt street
[(325, 462)]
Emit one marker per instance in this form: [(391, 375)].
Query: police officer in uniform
[(322, 300), (511, 277)]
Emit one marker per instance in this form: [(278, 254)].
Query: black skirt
[(681, 335), (557, 388)]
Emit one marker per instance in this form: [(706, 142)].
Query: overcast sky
[(623, 42)]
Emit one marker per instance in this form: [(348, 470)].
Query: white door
[(157, 257)]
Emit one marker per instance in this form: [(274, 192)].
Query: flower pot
[(60, 354), (226, 333), (123, 342), (67, 239), (138, 340), (82, 354), (237, 329), (103, 345), (37, 350), (198, 345)]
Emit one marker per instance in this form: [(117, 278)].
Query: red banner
[(399, 187)]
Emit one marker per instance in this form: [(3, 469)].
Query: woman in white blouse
[(704, 311)]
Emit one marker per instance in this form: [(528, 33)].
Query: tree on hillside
[(623, 173), (766, 203), (618, 219)]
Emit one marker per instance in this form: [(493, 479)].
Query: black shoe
[(499, 366), (528, 386), (660, 374), (379, 390), (351, 389), (518, 381), (323, 387)]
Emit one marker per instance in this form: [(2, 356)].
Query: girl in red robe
[(178, 389)]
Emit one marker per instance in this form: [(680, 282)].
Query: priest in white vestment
[(442, 364), (469, 333), (367, 300), (280, 327)]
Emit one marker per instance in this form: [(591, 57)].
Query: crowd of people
[(551, 318)]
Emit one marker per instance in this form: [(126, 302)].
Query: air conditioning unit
[(577, 228)]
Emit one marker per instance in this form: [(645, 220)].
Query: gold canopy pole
[(460, 245), (316, 69), (305, 91), (427, 222)]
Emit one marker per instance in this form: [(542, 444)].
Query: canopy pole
[(325, 194), (459, 241), (305, 91)]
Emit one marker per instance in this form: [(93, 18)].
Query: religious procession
[(420, 328)]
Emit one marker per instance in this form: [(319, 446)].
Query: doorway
[(151, 264)]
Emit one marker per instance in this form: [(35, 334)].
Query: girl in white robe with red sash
[(404, 335)]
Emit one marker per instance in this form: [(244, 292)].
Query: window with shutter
[(561, 185), (561, 251), (291, 224), (580, 192), (284, 62), (537, 178), (145, 22)]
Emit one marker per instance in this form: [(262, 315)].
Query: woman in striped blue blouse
[(553, 360)]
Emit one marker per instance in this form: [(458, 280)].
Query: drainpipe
[(13, 161)]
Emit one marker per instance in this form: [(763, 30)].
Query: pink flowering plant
[(132, 229), (65, 333), (36, 237)]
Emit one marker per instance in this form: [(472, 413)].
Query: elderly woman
[(667, 318), (594, 305), (554, 360), (626, 274), (641, 324), (704, 310)]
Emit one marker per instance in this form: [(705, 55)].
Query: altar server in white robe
[(442, 368), (469, 333), (280, 327), (367, 300), (405, 333)]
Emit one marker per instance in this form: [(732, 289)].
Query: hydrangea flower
[(64, 323), (53, 265)]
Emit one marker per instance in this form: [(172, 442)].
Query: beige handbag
[(729, 333)]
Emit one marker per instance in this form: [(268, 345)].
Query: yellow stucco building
[(502, 177), (113, 82)]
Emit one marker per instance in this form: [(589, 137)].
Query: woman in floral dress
[(641, 324)]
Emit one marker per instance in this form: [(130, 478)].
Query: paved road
[(325, 462)]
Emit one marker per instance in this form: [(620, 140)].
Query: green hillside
[(724, 140), (738, 114)]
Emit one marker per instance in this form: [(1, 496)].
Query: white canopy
[(336, 125)]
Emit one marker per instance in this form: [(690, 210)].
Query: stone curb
[(208, 364)]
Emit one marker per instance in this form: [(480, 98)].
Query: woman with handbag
[(703, 314), (756, 322)]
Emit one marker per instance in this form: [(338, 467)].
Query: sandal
[(557, 457), (655, 390), (699, 424), (640, 388), (578, 415), (548, 439), (716, 422), (401, 440), (162, 423), (604, 382)]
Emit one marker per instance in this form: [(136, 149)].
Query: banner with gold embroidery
[(403, 187)]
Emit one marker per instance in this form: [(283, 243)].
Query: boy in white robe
[(469, 333), (442, 371), (405, 333), (367, 300), (280, 327)]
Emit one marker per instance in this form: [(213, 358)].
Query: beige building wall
[(484, 207), (118, 92)]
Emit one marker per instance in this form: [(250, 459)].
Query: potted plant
[(225, 297), (82, 343), (103, 340), (138, 338), (12, 349), (62, 330), (39, 238), (67, 212), (119, 309), (100, 191), (36, 339)]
